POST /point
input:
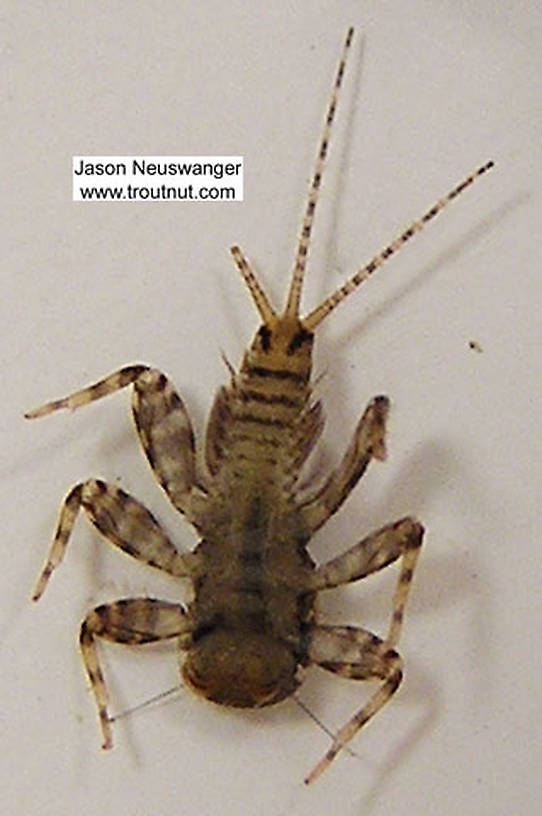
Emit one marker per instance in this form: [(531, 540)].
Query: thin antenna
[(150, 701), (304, 707), (294, 295), (317, 315)]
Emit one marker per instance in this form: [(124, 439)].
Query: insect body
[(251, 629)]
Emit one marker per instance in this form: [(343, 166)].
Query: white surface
[(433, 89)]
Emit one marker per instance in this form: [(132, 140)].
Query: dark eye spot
[(300, 339), (265, 337)]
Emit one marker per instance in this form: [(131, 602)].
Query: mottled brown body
[(251, 628), (253, 601)]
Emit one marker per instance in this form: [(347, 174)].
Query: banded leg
[(367, 443), (124, 522), (359, 655), (167, 437), (402, 539), (132, 621), (161, 419), (114, 382)]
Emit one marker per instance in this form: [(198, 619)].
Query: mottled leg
[(359, 655), (114, 382), (402, 539), (124, 522), (133, 621), (162, 422), (367, 443), (167, 437)]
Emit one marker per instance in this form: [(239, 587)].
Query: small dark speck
[(474, 345)]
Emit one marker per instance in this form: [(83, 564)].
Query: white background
[(433, 90)]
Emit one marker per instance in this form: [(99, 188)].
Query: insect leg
[(124, 522), (162, 422), (132, 621), (402, 539), (167, 437), (113, 382), (359, 655), (367, 443)]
